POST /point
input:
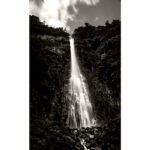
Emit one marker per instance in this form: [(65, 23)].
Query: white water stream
[(81, 112)]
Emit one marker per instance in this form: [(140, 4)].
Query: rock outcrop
[(98, 51), (49, 72)]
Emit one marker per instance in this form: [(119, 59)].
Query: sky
[(70, 14)]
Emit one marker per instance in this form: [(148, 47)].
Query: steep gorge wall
[(49, 72), (98, 51)]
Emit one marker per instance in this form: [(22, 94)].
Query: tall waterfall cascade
[(80, 108)]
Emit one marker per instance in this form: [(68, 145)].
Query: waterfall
[(80, 108), (82, 141)]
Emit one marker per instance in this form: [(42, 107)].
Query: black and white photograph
[(74, 75), (75, 69)]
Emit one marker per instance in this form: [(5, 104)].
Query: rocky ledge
[(104, 137)]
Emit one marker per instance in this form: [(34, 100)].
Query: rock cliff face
[(49, 72), (98, 51)]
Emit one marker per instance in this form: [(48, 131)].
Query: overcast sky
[(70, 14)]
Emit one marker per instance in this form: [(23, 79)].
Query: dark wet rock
[(69, 139), (98, 51), (55, 137), (78, 146)]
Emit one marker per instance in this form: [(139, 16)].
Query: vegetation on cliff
[(49, 71), (98, 51)]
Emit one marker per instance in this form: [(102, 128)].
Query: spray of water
[(81, 113), (83, 143)]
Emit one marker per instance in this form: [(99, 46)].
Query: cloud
[(96, 19), (56, 12), (37, 2)]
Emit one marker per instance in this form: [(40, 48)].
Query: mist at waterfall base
[(80, 108)]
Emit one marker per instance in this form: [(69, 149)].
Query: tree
[(107, 23)]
